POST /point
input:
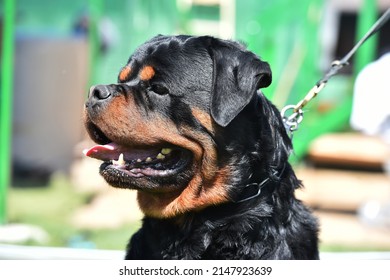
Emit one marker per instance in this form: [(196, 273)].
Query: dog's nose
[(99, 92)]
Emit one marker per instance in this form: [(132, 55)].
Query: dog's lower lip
[(142, 172)]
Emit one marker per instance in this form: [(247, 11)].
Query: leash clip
[(292, 122)]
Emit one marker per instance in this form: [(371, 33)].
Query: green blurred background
[(69, 45)]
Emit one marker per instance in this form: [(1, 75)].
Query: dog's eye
[(159, 89)]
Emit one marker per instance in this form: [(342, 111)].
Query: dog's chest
[(218, 243)]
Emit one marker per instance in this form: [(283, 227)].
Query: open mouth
[(140, 162)]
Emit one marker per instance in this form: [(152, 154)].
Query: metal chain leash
[(293, 119)]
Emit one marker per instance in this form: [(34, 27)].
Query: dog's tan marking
[(197, 195), (147, 73), (206, 188), (204, 119), (125, 73)]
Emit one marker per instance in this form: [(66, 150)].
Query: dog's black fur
[(237, 124)]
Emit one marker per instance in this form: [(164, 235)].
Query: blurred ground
[(348, 186), (337, 196)]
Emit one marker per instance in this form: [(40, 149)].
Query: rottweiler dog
[(188, 128)]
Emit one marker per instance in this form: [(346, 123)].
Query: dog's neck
[(254, 190)]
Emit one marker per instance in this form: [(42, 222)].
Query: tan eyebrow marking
[(147, 73), (125, 73)]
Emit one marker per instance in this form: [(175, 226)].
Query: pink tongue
[(103, 152), (112, 151)]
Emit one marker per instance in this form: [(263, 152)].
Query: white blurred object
[(371, 101), (375, 213), (371, 116), (21, 233), (108, 33)]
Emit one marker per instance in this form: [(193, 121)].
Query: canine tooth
[(120, 161), (160, 156), (166, 151), (148, 159)]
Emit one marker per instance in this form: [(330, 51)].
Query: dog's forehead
[(173, 49), (167, 55)]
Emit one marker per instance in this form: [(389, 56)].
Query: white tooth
[(120, 161), (160, 156), (166, 151), (139, 160), (148, 159)]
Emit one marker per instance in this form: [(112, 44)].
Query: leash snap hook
[(292, 121)]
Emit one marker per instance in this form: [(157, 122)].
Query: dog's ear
[(238, 73)]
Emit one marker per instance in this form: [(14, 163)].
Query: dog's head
[(184, 125)]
